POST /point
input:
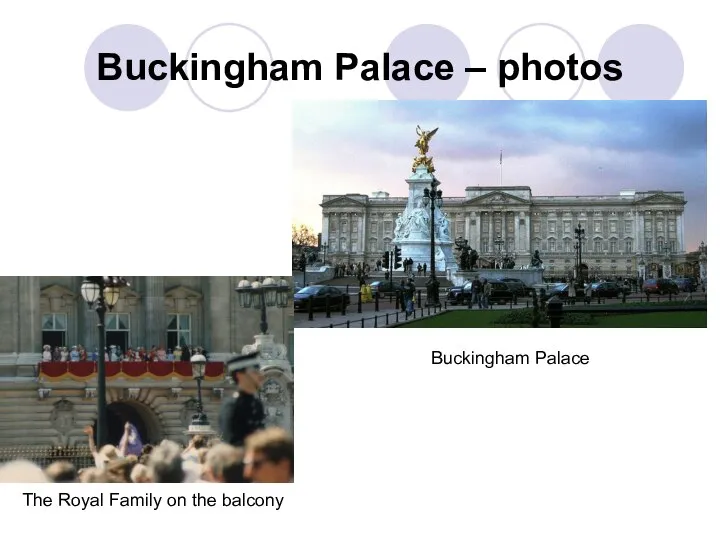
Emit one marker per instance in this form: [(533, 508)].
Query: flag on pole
[(500, 157)]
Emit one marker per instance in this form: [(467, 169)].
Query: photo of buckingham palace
[(623, 231)]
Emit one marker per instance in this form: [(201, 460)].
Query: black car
[(606, 289), (660, 286), (501, 293), (319, 295), (686, 284), (384, 288), (516, 286)]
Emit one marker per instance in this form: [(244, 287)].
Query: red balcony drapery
[(83, 371)]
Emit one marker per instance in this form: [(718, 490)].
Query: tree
[(302, 235)]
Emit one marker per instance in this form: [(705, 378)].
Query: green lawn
[(487, 319)]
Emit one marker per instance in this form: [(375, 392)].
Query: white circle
[(543, 43), (230, 43)]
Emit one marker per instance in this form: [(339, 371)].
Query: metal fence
[(80, 456)]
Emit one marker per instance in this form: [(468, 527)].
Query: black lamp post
[(579, 237), (433, 197), (102, 293), (199, 421), (499, 243), (262, 294)]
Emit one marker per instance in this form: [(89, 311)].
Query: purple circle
[(130, 43), (433, 43), (652, 63)]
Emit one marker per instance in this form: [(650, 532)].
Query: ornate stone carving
[(218, 392), (44, 393), (62, 416), (175, 392), (90, 393), (270, 352), (275, 399), (132, 393)]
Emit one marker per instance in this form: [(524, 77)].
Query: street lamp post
[(102, 293), (499, 243), (262, 294), (199, 421), (433, 197), (579, 237)]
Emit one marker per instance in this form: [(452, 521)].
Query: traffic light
[(398, 258), (386, 259)]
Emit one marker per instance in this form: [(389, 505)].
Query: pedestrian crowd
[(245, 450)]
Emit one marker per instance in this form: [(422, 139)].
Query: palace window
[(671, 226), (672, 245), (628, 227), (373, 227), (343, 244), (354, 226), (498, 226), (628, 246), (354, 246), (648, 246), (567, 227), (511, 227), (179, 330), (54, 329), (387, 244), (566, 245), (536, 227), (460, 228), (388, 227), (373, 245), (333, 246), (613, 246), (660, 226), (648, 225), (598, 246), (551, 244), (613, 226), (551, 226), (598, 226), (536, 244), (511, 245), (343, 227), (117, 331), (485, 246)]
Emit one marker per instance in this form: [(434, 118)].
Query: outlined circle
[(533, 25), (235, 25)]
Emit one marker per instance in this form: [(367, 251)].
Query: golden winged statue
[(424, 140)]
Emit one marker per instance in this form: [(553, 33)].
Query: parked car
[(559, 289), (686, 284), (605, 289), (384, 288), (318, 294), (516, 286), (501, 293), (660, 286)]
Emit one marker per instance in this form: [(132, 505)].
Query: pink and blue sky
[(555, 147)]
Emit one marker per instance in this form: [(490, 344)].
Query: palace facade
[(44, 404), (622, 231)]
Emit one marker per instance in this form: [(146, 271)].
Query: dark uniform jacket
[(241, 415)]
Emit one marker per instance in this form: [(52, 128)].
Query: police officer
[(243, 414)]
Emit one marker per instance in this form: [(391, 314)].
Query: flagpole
[(500, 168)]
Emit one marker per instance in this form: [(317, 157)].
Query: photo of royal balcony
[(471, 214), (105, 368)]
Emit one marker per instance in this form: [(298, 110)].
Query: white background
[(387, 445)]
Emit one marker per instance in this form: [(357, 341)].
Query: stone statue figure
[(442, 227), (423, 141), (536, 261)]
